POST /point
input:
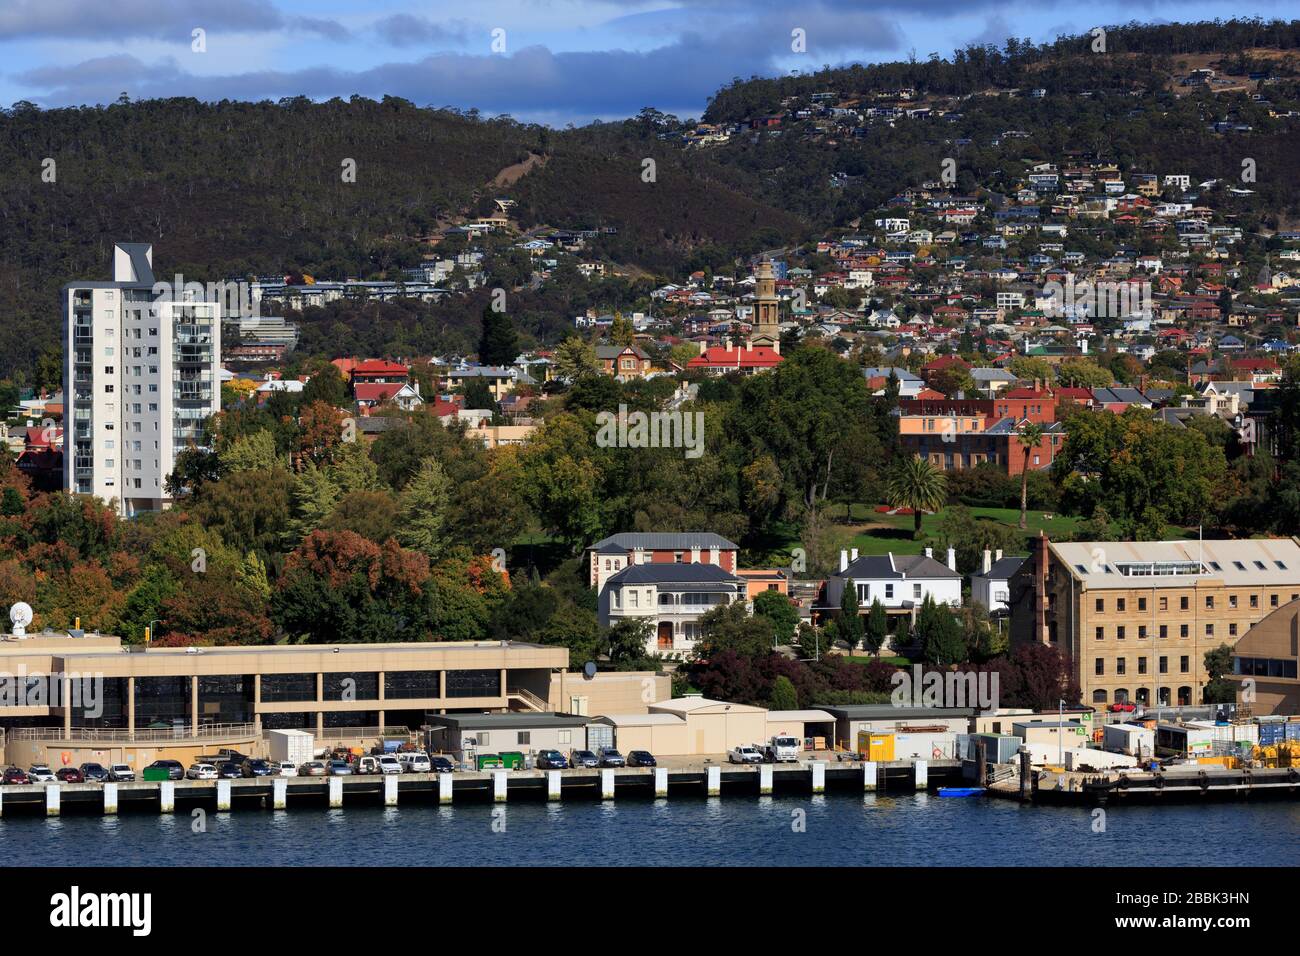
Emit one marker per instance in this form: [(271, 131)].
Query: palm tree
[(1029, 435), (918, 485)]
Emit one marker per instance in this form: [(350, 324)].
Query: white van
[(415, 761)]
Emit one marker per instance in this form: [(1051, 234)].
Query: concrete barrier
[(499, 786), (110, 798), (765, 778), (661, 781), (223, 794), (920, 774), (336, 792), (167, 796), (444, 788), (606, 784), (869, 775), (819, 776), (279, 793), (390, 790), (552, 785), (713, 781), (51, 799)]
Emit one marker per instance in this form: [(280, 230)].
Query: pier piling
[(390, 791), (819, 776), (498, 786), (223, 794), (661, 781), (869, 779), (920, 774), (552, 785), (167, 796), (279, 793), (110, 799), (607, 784), (444, 788), (336, 792), (51, 799), (713, 781), (765, 778)]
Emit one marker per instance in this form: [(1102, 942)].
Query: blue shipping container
[(1293, 730)]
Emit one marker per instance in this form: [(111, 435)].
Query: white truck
[(781, 749), (291, 746)]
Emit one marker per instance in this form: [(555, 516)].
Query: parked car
[(285, 768), (551, 760), (40, 773), (366, 765), (339, 768), (745, 754), (94, 772), (201, 771), (175, 771), (230, 771), (389, 764), (641, 758), (121, 773), (609, 757), (1123, 706), (584, 758), (414, 762), (13, 775), (70, 775), (441, 765), (257, 768), (313, 768)]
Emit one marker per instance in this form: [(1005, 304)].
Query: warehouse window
[(1183, 603), (1101, 605), (1101, 633), (1099, 667), (1120, 665), (1183, 664), (1120, 605), (1142, 665), (1164, 630)]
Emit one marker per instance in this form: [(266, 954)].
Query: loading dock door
[(599, 735)]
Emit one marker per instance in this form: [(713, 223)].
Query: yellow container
[(877, 747)]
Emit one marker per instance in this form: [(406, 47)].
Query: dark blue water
[(871, 830)]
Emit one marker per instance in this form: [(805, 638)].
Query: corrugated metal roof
[(1236, 562)]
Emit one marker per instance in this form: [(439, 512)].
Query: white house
[(989, 586), (672, 596), (901, 582)]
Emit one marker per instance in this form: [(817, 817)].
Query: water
[(840, 830)]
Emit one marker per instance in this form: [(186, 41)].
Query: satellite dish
[(588, 669), (20, 615)]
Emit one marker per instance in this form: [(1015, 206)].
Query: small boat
[(960, 791)]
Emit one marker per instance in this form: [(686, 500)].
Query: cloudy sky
[(550, 61)]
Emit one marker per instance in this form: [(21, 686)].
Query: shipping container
[(878, 747), (1132, 739), (925, 746), (1271, 734), (998, 748), (1293, 730), (291, 746)]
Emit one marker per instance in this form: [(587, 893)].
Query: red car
[(14, 775), (1124, 706), (70, 775)]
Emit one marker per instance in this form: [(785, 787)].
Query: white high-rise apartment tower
[(140, 376)]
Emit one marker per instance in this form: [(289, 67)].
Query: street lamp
[(149, 629), (1060, 729)]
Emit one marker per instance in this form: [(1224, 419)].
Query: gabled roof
[(662, 541), (686, 575)]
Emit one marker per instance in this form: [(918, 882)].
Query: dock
[(1187, 783), (493, 786)]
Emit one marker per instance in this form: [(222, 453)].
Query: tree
[(729, 627), (499, 343), (326, 385), (877, 628), (849, 624), (629, 641), (784, 696), (939, 634), (249, 453), (1218, 689), (575, 360), (1030, 436), (423, 510), (1081, 373), (918, 485), (782, 613)]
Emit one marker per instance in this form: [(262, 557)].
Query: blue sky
[(563, 60)]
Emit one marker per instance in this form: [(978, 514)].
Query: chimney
[(853, 554), (999, 555), (844, 560), (988, 560), (929, 552), (952, 559)]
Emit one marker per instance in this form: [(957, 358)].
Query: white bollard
[(444, 788), (765, 778), (869, 775), (51, 799), (819, 776), (223, 794), (390, 790), (2, 803), (713, 781), (552, 785), (661, 781), (606, 784), (167, 796), (279, 793), (336, 792), (110, 799), (499, 786), (920, 774)]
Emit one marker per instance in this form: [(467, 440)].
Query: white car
[(389, 764), (40, 773), (285, 768), (201, 771), (745, 754), (121, 772), (416, 762)]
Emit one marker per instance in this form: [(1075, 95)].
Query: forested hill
[(235, 188)]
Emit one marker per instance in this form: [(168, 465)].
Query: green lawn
[(895, 531), (867, 659)]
